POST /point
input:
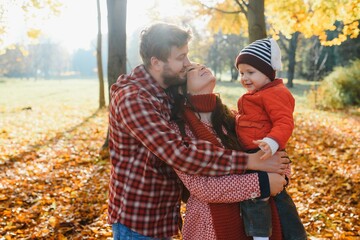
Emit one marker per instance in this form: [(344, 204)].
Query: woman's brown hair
[(222, 117)]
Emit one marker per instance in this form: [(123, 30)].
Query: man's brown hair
[(158, 39)]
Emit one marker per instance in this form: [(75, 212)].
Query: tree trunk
[(117, 39), (117, 45), (99, 60), (256, 20), (234, 72), (292, 59)]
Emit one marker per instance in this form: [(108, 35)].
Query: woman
[(212, 210)]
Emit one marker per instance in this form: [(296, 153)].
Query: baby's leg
[(256, 214)]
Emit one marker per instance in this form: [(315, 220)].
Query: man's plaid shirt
[(144, 189)]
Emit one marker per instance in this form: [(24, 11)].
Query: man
[(144, 197)]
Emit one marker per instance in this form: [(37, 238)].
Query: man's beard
[(171, 79)]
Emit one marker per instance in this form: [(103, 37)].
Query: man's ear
[(156, 64)]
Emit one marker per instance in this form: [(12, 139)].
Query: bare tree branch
[(241, 5)]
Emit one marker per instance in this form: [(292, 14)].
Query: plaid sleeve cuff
[(239, 162)]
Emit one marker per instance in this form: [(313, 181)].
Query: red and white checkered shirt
[(144, 189)]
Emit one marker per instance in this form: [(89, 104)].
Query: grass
[(18, 94), (35, 111), (24, 94)]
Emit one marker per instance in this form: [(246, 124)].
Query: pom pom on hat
[(264, 55), (275, 55)]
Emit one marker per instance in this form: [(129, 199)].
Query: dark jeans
[(256, 215), (121, 232), (291, 225)]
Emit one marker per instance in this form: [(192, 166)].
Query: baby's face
[(200, 79), (251, 78)]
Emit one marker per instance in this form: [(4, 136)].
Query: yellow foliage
[(36, 3), (33, 9), (311, 17), (229, 23), (33, 33), (24, 51), (12, 47), (2, 30), (229, 19)]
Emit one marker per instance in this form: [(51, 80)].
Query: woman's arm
[(226, 189)]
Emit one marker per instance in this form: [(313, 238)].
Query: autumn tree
[(315, 18), (99, 59), (312, 18), (231, 16), (117, 45), (222, 53), (45, 59), (31, 9), (290, 18), (290, 50), (23, 65), (117, 39)]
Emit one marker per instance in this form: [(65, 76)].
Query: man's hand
[(277, 183), (274, 164)]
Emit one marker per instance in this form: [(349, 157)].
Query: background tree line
[(233, 24), (49, 60)]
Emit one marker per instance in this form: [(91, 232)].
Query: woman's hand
[(277, 183), (274, 164)]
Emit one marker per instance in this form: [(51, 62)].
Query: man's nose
[(187, 62)]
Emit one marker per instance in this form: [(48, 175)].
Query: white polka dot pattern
[(204, 190)]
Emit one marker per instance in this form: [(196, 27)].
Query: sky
[(76, 27)]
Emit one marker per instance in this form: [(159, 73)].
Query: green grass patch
[(84, 93), (25, 94)]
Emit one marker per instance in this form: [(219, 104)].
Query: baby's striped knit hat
[(264, 55)]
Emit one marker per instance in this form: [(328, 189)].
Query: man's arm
[(143, 118)]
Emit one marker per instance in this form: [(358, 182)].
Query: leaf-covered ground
[(326, 173), (54, 184)]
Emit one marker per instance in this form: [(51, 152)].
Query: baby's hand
[(265, 148)]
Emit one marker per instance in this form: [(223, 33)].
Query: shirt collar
[(146, 81)]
